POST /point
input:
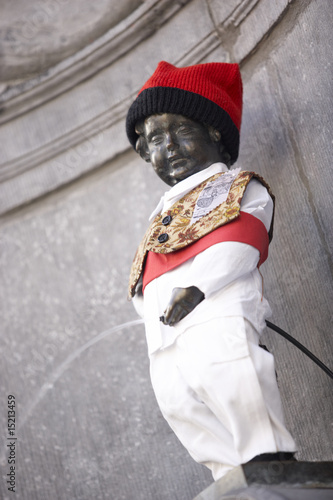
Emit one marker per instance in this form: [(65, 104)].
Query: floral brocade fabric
[(180, 232)]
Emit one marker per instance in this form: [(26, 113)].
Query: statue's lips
[(177, 161)]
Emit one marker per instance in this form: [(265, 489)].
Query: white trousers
[(217, 390)]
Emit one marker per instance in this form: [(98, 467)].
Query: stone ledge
[(262, 476)]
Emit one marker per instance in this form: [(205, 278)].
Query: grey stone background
[(74, 201)]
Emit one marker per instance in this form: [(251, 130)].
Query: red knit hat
[(208, 93)]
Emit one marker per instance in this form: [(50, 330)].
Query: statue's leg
[(196, 426), (223, 401)]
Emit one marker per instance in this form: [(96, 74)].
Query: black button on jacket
[(163, 238)]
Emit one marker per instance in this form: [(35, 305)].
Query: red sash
[(245, 229)]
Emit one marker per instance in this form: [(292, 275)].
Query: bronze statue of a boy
[(195, 277)]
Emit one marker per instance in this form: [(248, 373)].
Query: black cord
[(301, 347)]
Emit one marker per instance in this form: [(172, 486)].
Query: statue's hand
[(182, 302)]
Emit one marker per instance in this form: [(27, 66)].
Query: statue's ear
[(141, 147), (215, 136)]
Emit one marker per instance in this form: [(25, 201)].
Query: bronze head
[(178, 147)]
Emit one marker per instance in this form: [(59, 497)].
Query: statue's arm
[(221, 263)]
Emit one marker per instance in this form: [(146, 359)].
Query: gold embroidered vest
[(161, 238)]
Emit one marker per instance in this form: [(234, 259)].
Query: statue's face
[(178, 147)]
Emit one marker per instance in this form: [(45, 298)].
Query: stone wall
[(74, 201)]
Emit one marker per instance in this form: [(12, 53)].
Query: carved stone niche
[(66, 90), (38, 34)]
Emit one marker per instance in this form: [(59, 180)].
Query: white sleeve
[(222, 263), (138, 304), (256, 201)]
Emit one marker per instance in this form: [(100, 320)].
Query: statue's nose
[(171, 142)]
